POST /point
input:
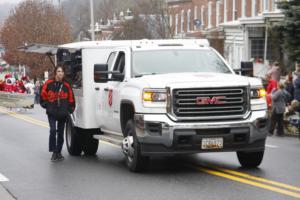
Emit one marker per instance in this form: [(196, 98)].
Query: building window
[(261, 6), (225, 11), (176, 24), (182, 21), (274, 5), (243, 8), (171, 21), (253, 8), (196, 12), (258, 48), (188, 21), (195, 15), (209, 14), (266, 5), (233, 10), (218, 13), (202, 16)]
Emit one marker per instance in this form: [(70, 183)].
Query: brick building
[(238, 29)]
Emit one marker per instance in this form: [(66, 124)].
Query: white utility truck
[(160, 97)]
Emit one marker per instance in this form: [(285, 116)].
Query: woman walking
[(58, 99)]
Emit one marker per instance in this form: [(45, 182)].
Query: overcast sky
[(10, 1)]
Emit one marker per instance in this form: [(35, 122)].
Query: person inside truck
[(57, 98)]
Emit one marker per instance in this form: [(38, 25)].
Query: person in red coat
[(272, 85)]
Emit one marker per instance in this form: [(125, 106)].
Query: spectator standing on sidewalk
[(289, 86), (275, 71), (279, 99), (37, 90), (297, 83)]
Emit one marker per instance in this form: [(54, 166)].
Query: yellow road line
[(225, 173), (249, 182), (248, 176), (25, 118), (28, 120)]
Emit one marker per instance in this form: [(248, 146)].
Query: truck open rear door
[(45, 49)]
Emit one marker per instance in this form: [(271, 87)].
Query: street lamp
[(92, 20)]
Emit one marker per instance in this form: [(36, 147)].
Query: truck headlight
[(257, 93), (154, 97), (258, 99)]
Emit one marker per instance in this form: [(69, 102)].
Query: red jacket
[(272, 85), (57, 98)]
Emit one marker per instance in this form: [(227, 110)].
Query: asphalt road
[(27, 173)]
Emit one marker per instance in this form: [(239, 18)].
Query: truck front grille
[(210, 103)]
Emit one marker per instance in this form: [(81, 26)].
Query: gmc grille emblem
[(210, 100)]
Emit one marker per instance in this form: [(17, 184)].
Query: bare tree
[(156, 16), (134, 29), (151, 20), (33, 21)]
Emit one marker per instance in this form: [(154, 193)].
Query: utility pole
[(92, 20)]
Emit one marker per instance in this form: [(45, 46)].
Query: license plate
[(212, 143)]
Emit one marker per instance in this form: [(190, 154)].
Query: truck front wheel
[(134, 160), (250, 159), (73, 139)]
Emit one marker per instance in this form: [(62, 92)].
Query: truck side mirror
[(100, 73)]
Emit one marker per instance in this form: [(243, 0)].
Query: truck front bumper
[(159, 135)]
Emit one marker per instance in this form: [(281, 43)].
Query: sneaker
[(54, 157), (60, 157)]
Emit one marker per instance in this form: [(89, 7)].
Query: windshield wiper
[(140, 75)]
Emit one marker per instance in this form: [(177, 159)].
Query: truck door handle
[(97, 88), (106, 89)]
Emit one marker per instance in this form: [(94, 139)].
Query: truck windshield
[(176, 61)]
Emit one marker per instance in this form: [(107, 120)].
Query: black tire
[(137, 162), (250, 159), (90, 146), (73, 139)]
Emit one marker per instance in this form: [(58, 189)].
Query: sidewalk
[(4, 194)]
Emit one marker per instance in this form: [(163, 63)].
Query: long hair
[(55, 70)]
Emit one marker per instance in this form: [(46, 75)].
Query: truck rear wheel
[(250, 159), (73, 139), (134, 160), (90, 146)]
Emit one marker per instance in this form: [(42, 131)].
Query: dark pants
[(56, 138), (37, 98), (276, 119)]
